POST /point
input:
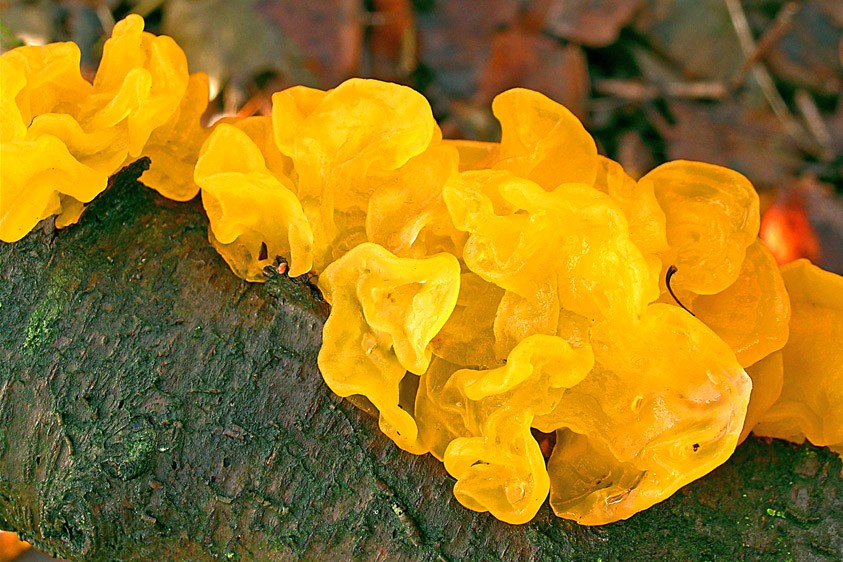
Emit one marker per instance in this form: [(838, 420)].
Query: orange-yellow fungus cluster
[(809, 369), (326, 172), (61, 137), (479, 291), (11, 546)]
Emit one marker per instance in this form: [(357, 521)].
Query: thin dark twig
[(765, 81), (779, 27), (671, 271)]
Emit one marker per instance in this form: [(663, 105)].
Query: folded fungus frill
[(62, 136), (384, 312), (809, 406)]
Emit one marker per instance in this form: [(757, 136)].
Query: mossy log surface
[(153, 406)]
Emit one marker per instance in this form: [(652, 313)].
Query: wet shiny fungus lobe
[(62, 137)]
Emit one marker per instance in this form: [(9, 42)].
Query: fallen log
[(155, 406)]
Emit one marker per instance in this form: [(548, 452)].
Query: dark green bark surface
[(153, 406)]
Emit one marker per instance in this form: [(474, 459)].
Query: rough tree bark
[(154, 406)]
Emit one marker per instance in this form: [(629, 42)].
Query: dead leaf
[(786, 229), (835, 126), (392, 40), (595, 23), (806, 55), (328, 33), (697, 35), (834, 10), (825, 209), (231, 41), (634, 154), (455, 41), (752, 142), (805, 220), (524, 58)]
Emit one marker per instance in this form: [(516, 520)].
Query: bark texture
[(155, 407)]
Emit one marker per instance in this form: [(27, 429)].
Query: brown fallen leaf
[(328, 33), (594, 23), (697, 35), (634, 154), (753, 142), (807, 54), (455, 41), (523, 58), (232, 41), (392, 40), (786, 228)]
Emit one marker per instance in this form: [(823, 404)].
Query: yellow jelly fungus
[(475, 155), (664, 405), (141, 88), (647, 226), (254, 214), (479, 290), (406, 213), (385, 310), (542, 140), (39, 176), (53, 80), (12, 125), (439, 409), (141, 81), (31, 192), (290, 109), (569, 247), (173, 148), (498, 465), (812, 393), (468, 337), (103, 150), (712, 217), (502, 472), (51, 99), (11, 547), (767, 381), (342, 143), (549, 362), (751, 314)]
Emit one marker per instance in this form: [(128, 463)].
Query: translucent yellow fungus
[(343, 143), (751, 314), (664, 405), (173, 148), (82, 133), (254, 214), (712, 217), (542, 141), (497, 463), (812, 392), (385, 310)]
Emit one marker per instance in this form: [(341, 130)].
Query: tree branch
[(154, 406)]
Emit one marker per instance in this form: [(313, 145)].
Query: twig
[(762, 76), (780, 26), (696, 90), (639, 91), (627, 89), (811, 114)]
